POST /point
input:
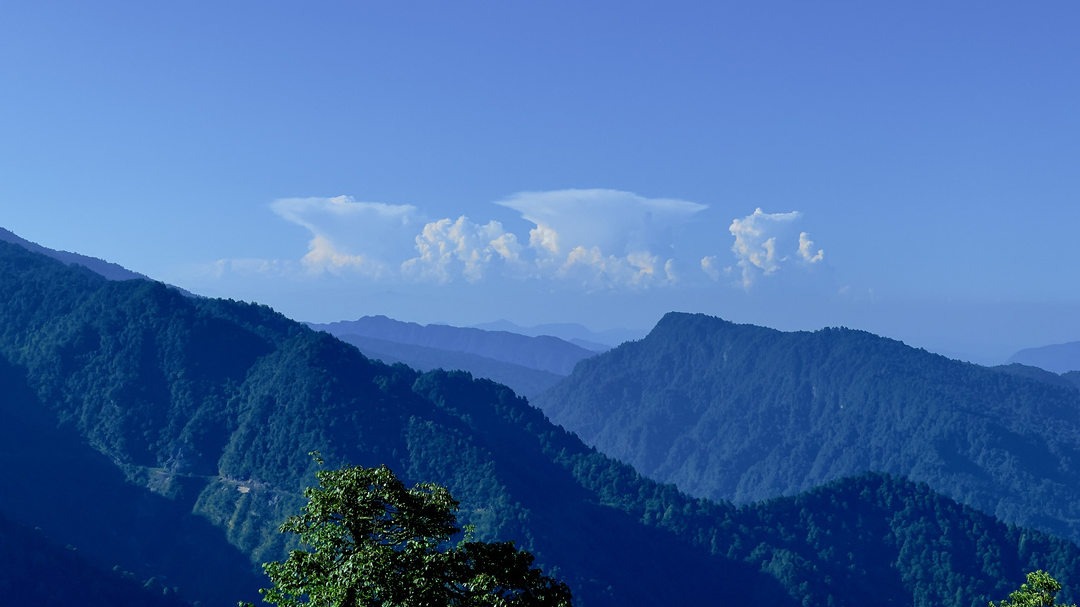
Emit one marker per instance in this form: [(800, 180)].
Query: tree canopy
[(1039, 591), (375, 542)]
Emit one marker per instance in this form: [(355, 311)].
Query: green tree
[(375, 542), (1039, 591)]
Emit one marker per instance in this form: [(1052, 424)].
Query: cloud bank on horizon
[(597, 239)]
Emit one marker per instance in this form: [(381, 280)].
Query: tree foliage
[(375, 542), (1039, 591)]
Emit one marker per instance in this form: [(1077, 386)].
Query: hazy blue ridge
[(1038, 373), (745, 413), (1057, 358), (182, 428), (523, 380), (107, 269), (543, 353), (572, 332)]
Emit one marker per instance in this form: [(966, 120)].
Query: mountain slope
[(745, 413), (1057, 358), (523, 380), (543, 353), (35, 572), (208, 409)]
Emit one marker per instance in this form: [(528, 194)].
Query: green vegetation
[(744, 413), (375, 542), (208, 409), (1039, 591)]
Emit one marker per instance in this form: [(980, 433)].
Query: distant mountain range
[(571, 332), (744, 413), (527, 364), (168, 436), (1058, 358)]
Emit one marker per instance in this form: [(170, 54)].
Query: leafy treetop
[(376, 542), (1039, 591)]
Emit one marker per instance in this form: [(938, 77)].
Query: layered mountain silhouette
[(527, 364), (168, 436), (744, 413), (571, 332), (1057, 358)]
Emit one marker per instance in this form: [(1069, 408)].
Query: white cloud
[(609, 238), (462, 246), (602, 239), (806, 248), (711, 268), (544, 239), (370, 238), (616, 222), (765, 242), (594, 270)]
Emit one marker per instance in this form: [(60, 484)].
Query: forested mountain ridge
[(744, 413), (209, 408), (543, 353), (1057, 358), (525, 381)]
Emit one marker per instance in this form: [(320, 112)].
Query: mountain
[(744, 413), (1058, 358), (1064, 380), (107, 269), (169, 436), (35, 572), (543, 353), (571, 332), (523, 380)]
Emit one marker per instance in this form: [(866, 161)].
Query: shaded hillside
[(889, 541), (523, 380), (745, 413), (36, 572), (208, 409), (50, 479), (543, 353), (1057, 358)]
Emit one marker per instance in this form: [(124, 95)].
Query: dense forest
[(181, 426), (745, 413)]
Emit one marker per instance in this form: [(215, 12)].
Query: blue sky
[(906, 168)]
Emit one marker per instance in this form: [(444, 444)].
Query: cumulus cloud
[(711, 267), (806, 248), (765, 242), (447, 247)]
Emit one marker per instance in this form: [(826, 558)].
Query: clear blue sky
[(916, 164)]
